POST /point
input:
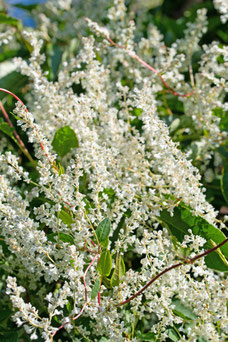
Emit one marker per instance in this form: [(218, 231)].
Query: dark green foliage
[(183, 220), (64, 140)]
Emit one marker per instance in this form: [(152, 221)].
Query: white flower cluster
[(126, 168), (222, 7), (27, 314), (6, 36)]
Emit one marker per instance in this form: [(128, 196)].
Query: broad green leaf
[(56, 59), (136, 111), (66, 218), (172, 334), (106, 282), (223, 150), (119, 271), (95, 289), (13, 81), (103, 230), (7, 54), (5, 128), (182, 311), (104, 264), (218, 251), (183, 220), (214, 261), (64, 140), (224, 181), (149, 336), (66, 238), (61, 236), (105, 243), (5, 19)]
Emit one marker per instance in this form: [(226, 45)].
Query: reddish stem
[(15, 96), (11, 125), (133, 55), (94, 245), (99, 297), (89, 250), (84, 305), (186, 261), (18, 99)]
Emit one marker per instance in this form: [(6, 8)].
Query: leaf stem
[(186, 261)]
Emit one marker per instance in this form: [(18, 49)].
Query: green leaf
[(69, 307), (66, 238), (64, 140), (183, 220), (106, 282), (5, 128), (4, 314), (172, 334), (224, 182), (222, 114), (119, 271), (98, 57), (13, 81), (7, 54), (218, 251), (5, 19), (103, 230), (66, 218), (104, 264), (53, 237), (105, 243), (149, 336), (9, 337), (56, 59), (95, 289), (182, 311)]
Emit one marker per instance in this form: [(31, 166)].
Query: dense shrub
[(114, 176)]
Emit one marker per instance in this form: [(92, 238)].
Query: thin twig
[(186, 261), (84, 305), (20, 142), (191, 75), (136, 57), (41, 145)]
